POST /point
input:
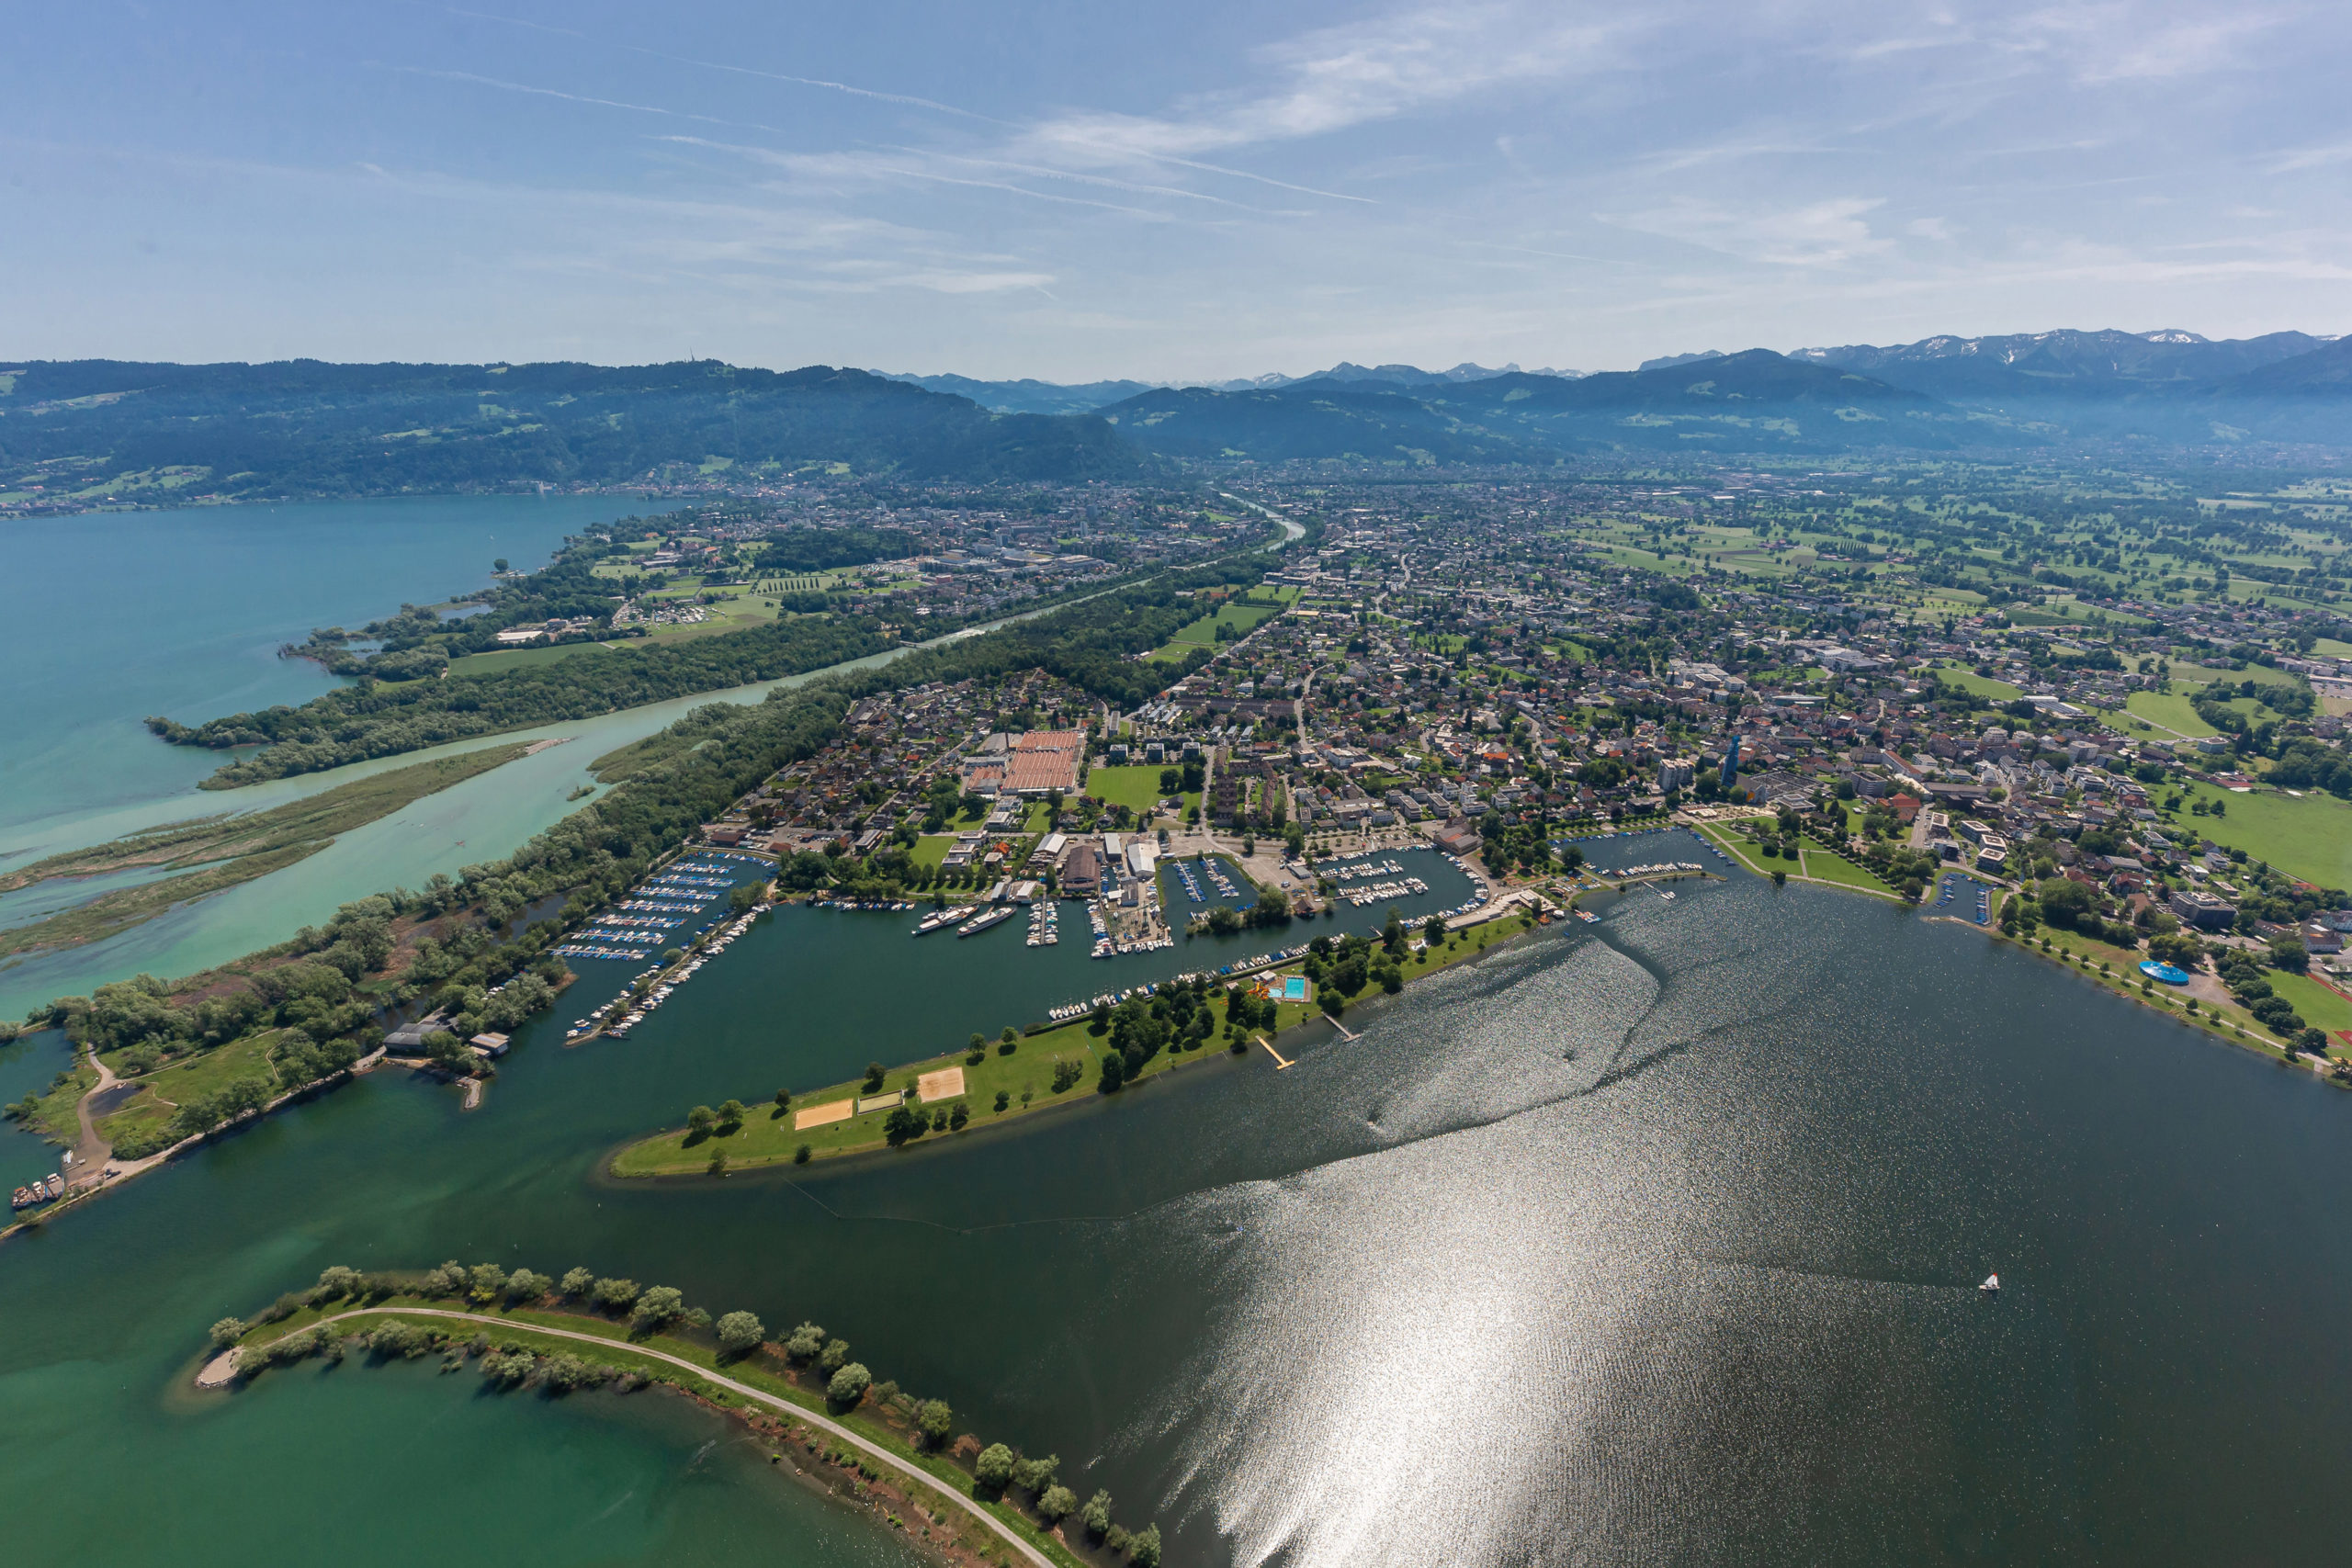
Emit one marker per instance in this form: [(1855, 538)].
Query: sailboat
[(1991, 1285)]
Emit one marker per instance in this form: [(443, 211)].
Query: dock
[(1277, 1056)]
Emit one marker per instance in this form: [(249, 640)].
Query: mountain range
[(93, 428), (306, 427)]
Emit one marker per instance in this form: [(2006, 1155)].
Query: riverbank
[(785, 1394)]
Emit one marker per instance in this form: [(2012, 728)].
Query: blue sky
[(1073, 191)]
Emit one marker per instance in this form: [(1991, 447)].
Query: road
[(783, 1406)]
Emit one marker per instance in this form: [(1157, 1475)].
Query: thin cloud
[(906, 98), (869, 167), (1340, 78), (513, 22)]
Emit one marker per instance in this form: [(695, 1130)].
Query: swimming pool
[(1287, 988)]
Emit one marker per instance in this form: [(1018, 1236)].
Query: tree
[(337, 1280), (1035, 1474), (523, 1285), (806, 1342), (740, 1333), (783, 1101), (614, 1295), (1143, 1550), (1057, 1503), (1114, 1073), (226, 1332), (834, 1356), (731, 1115), (849, 1384), (656, 1306), (699, 1122), (934, 1421), (1096, 1516), (992, 1470), (576, 1281), (1007, 1041)]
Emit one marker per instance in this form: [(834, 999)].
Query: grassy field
[(1983, 685), (1741, 850), (2169, 709), (932, 848), (2321, 1008), (1136, 787), (191, 1077), (2309, 836), (1244, 616), (1823, 866), (524, 657)]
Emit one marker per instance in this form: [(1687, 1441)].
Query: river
[(121, 615), (1651, 1241)]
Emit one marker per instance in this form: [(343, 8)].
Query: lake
[(121, 615), (1654, 1240)]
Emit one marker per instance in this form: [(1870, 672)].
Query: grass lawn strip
[(1823, 865), (612, 1348)]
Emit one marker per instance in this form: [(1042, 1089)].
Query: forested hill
[(302, 427)]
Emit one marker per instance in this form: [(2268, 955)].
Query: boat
[(979, 923), (931, 922), (1991, 1285)]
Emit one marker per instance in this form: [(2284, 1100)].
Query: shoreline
[(609, 1343), (2228, 1031), (1018, 1117)]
